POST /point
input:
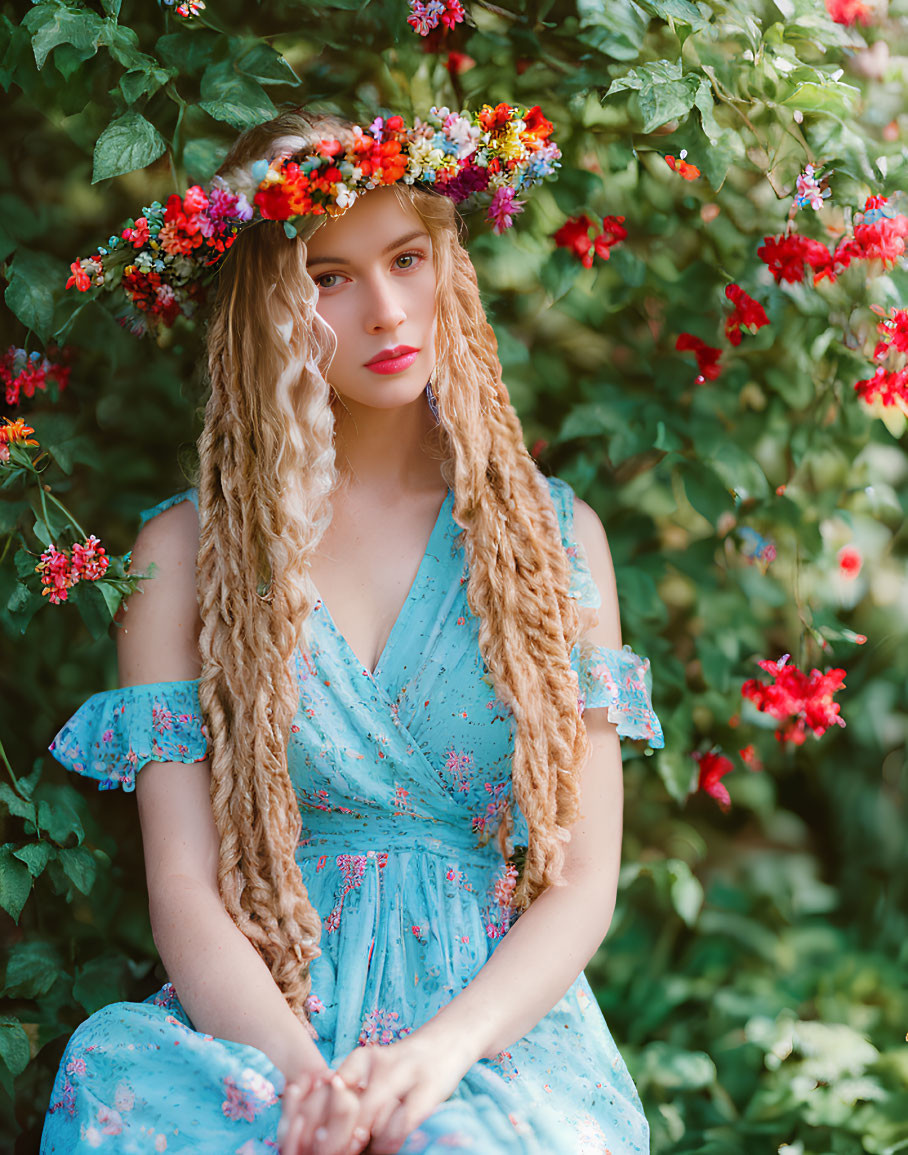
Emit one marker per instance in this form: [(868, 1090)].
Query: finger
[(356, 1068), (289, 1103), (400, 1123), (294, 1136), (311, 1116), (335, 1131), (382, 1129)]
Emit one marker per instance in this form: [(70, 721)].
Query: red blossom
[(747, 312), (713, 767), (799, 700), (749, 757), (893, 328), (707, 356), (850, 561), (849, 11), (786, 256), (459, 62), (887, 388), (574, 234), (22, 373)]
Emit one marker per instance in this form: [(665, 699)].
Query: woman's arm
[(220, 978), (554, 939)]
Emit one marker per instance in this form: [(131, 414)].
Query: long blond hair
[(266, 473)]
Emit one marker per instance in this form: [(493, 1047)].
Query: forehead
[(374, 220)]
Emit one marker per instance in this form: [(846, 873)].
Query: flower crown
[(163, 260)]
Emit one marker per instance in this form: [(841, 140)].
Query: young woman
[(372, 718)]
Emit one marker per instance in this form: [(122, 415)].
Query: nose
[(383, 304)]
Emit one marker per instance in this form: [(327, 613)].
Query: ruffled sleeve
[(619, 680), (115, 733)]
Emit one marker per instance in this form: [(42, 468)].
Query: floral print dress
[(401, 776)]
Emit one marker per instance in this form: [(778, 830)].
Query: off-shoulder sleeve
[(115, 733), (187, 495)]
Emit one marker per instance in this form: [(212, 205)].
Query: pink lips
[(394, 364)]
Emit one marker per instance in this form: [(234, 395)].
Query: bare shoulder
[(159, 622), (590, 532), (590, 536)]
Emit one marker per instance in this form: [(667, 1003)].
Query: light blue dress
[(401, 776)]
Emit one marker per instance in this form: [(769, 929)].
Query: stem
[(9, 768), (65, 512)]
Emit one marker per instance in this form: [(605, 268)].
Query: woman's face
[(375, 275)]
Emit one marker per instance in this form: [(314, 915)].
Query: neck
[(384, 449)]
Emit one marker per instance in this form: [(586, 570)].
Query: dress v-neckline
[(396, 628)]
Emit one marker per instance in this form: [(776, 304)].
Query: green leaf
[(14, 1046), (222, 85), (237, 115), (32, 969), (202, 157), (127, 144), (18, 807), (79, 866), (685, 890), (681, 10), (676, 1069), (139, 82), (35, 856), (52, 24), (835, 98), (187, 51), (705, 490), (655, 72), (677, 771), (260, 62), (660, 103), (559, 274), (15, 883), (99, 982), (59, 821), (93, 608), (33, 279), (613, 27)]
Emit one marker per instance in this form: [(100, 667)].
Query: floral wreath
[(163, 260)]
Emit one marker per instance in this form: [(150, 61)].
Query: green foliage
[(753, 973)]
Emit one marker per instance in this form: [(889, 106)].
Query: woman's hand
[(320, 1116), (375, 1098), (401, 1084)]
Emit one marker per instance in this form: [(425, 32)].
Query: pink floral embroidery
[(246, 1101), (353, 869), (499, 913), (507, 1068), (161, 719), (381, 1027), (458, 766), (109, 1121), (495, 807)]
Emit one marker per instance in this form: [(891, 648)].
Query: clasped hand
[(371, 1103)]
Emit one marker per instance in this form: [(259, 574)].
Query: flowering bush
[(730, 196)]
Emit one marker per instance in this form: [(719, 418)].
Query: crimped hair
[(266, 474)]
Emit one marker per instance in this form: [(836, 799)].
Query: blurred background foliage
[(754, 974)]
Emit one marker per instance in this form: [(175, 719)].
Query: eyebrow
[(387, 249)]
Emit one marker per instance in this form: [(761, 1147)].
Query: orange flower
[(14, 433), (681, 167)]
